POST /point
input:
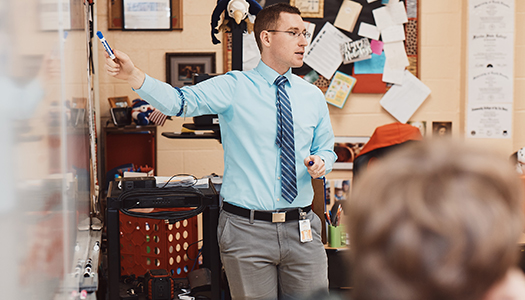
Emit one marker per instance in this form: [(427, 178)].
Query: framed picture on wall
[(441, 129), (140, 15), (115, 14), (180, 67), (118, 102), (347, 148)]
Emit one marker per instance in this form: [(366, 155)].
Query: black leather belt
[(267, 215)]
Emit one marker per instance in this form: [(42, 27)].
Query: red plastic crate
[(147, 244)]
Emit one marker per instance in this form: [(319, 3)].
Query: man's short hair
[(434, 220), (268, 18)]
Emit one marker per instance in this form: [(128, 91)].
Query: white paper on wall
[(402, 101), (324, 55)]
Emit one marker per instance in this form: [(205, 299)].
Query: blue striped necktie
[(285, 140)]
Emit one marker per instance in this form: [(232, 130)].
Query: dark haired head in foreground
[(436, 220)]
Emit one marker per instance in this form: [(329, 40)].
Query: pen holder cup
[(336, 236)]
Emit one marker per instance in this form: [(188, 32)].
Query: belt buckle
[(278, 217)]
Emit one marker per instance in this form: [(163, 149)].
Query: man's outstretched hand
[(123, 68)]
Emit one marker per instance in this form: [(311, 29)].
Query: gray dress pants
[(267, 261)]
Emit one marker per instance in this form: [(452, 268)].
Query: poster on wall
[(492, 50), (490, 121), (491, 86), (490, 68), (491, 15)]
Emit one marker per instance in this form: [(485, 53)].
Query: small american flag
[(157, 118)]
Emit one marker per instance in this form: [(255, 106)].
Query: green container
[(334, 236)]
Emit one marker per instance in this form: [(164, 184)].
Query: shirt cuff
[(144, 86)]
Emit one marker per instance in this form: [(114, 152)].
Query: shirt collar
[(270, 74)]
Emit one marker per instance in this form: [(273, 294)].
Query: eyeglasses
[(295, 34)]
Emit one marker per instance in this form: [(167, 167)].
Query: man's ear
[(265, 38)]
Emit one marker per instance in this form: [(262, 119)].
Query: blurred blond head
[(435, 220)]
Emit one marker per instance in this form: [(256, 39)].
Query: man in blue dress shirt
[(270, 245)]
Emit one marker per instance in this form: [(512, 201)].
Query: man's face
[(287, 50)]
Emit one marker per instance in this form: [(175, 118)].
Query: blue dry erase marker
[(106, 45), (311, 163)]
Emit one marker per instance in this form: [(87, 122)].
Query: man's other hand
[(315, 166)]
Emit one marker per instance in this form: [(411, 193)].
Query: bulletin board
[(366, 83)]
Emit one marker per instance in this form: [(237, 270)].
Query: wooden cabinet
[(132, 144)]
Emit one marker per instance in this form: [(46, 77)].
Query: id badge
[(305, 231)]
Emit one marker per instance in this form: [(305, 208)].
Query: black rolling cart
[(170, 198)]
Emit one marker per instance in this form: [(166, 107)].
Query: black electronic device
[(200, 280), (158, 197), (198, 77), (129, 183), (121, 116), (159, 285), (206, 121)]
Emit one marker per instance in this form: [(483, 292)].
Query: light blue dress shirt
[(245, 102)]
